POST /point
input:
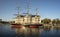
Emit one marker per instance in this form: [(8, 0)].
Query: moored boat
[(16, 26)]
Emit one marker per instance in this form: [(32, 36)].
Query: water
[(7, 31)]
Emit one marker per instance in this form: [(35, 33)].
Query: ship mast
[(28, 7), (36, 16), (18, 15), (36, 11), (18, 11), (28, 10)]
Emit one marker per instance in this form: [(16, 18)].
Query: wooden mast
[(28, 10), (28, 7), (36, 18), (18, 15), (36, 11)]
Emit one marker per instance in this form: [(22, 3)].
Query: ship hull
[(29, 26), (16, 24)]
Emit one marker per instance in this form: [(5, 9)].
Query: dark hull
[(29, 26), (16, 24)]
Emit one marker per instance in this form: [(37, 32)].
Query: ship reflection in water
[(7, 31), (27, 32)]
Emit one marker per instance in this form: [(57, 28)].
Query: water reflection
[(27, 32), (7, 31)]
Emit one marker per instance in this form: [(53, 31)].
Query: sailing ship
[(27, 19)]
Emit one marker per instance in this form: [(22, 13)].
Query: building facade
[(28, 19)]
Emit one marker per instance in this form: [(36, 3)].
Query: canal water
[(7, 31)]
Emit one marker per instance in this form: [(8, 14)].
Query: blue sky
[(46, 8)]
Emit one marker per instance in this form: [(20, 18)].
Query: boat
[(27, 18)]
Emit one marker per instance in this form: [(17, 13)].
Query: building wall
[(25, 20), (36, 20), (28, 20), (33, 20), (19, 20)]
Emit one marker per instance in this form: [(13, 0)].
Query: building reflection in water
[(27, 32)]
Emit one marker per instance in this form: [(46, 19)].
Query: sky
[(46, 8)]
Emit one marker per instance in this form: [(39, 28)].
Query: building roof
[(35, 15), (29, 15)]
